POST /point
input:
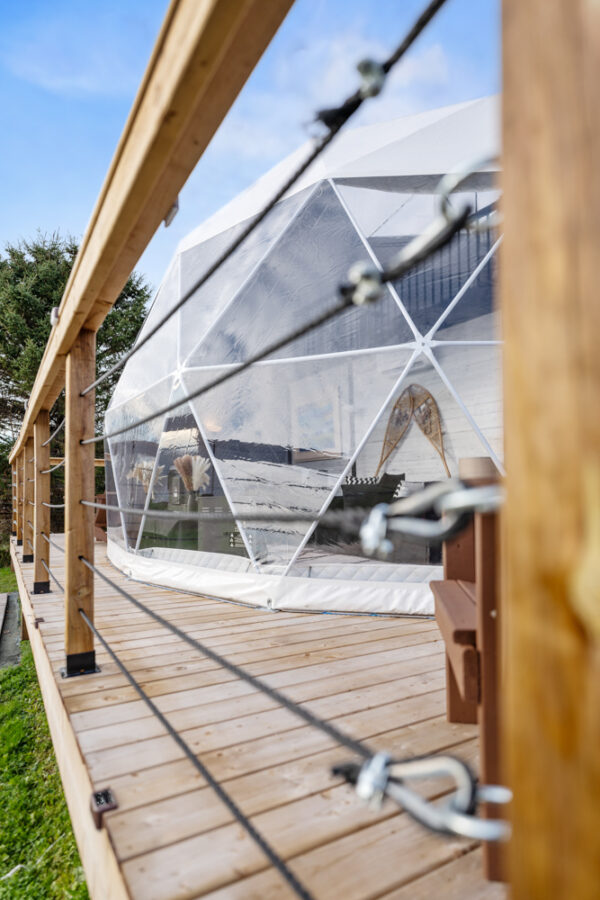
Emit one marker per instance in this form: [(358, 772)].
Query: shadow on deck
[(380, 679)]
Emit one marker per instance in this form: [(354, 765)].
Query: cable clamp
[(455, 181), (365, 284), (451, 501), (373, 533), (373, 78), (372, 780)]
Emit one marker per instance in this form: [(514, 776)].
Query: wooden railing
[(202, 57)]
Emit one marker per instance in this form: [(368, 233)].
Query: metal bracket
[(37, 621), (100, 802), (41, 587), (28, 557), (80, 664)]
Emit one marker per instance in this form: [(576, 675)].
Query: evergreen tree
[(33, 276)]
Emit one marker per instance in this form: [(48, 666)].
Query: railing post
[(19, 492), (79, 520), (41, 513), (15, 496), (28, 482)]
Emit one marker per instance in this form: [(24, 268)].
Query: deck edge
[(104, 878)]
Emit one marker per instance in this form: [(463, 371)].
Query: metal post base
[(80, 664), (27, 557), (41, 587)]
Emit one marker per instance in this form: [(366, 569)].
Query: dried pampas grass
[(193, 471)]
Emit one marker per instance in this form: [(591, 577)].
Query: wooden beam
[(41, 517), (551, 524), (202, 58), (79, 520)]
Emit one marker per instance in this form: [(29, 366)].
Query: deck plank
[(380, 679)]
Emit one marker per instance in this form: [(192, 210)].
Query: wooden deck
[(379, 678)]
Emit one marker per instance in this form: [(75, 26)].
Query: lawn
[(8, 582), (35, 829)]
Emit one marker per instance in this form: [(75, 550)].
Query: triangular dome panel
[(284, 432), (297, 280)]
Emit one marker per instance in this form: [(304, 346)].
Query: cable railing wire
[(54, 433), (332, 731), (333, 119), (53, 505), (52, 543), (53, 468), (379, 772), (441, 235), (452, 501), (228, 801), (52, 576), (347, 518)]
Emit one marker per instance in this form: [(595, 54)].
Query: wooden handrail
[(203, 55)]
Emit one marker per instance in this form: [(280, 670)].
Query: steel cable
[(345, 740), (231, 805), (54, 433), (52, 543), (333, 119), (52, 576), (53, 468), (438, 239)]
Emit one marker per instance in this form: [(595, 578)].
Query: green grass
[(8, 582), (35, 829)]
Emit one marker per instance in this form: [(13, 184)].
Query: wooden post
[(28, 484), (41, 520), (488, 647), (18, 501), (19, 464), (13, 493), (79, 520), (551, 521)]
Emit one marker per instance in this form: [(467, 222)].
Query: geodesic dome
[(314, 426)]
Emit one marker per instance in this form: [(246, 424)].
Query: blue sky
[(69, 70)]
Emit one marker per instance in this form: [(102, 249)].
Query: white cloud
[(267, 123)]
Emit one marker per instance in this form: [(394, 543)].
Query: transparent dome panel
[(382, 213), (472, 314), (114, 523), (283, 433), (298, 280), (418, 439), (158, 357), (187, 484), (133, 453), (429, 288), (201, 310), (475, 372)]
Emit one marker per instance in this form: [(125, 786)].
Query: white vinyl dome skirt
[(304, 430)]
